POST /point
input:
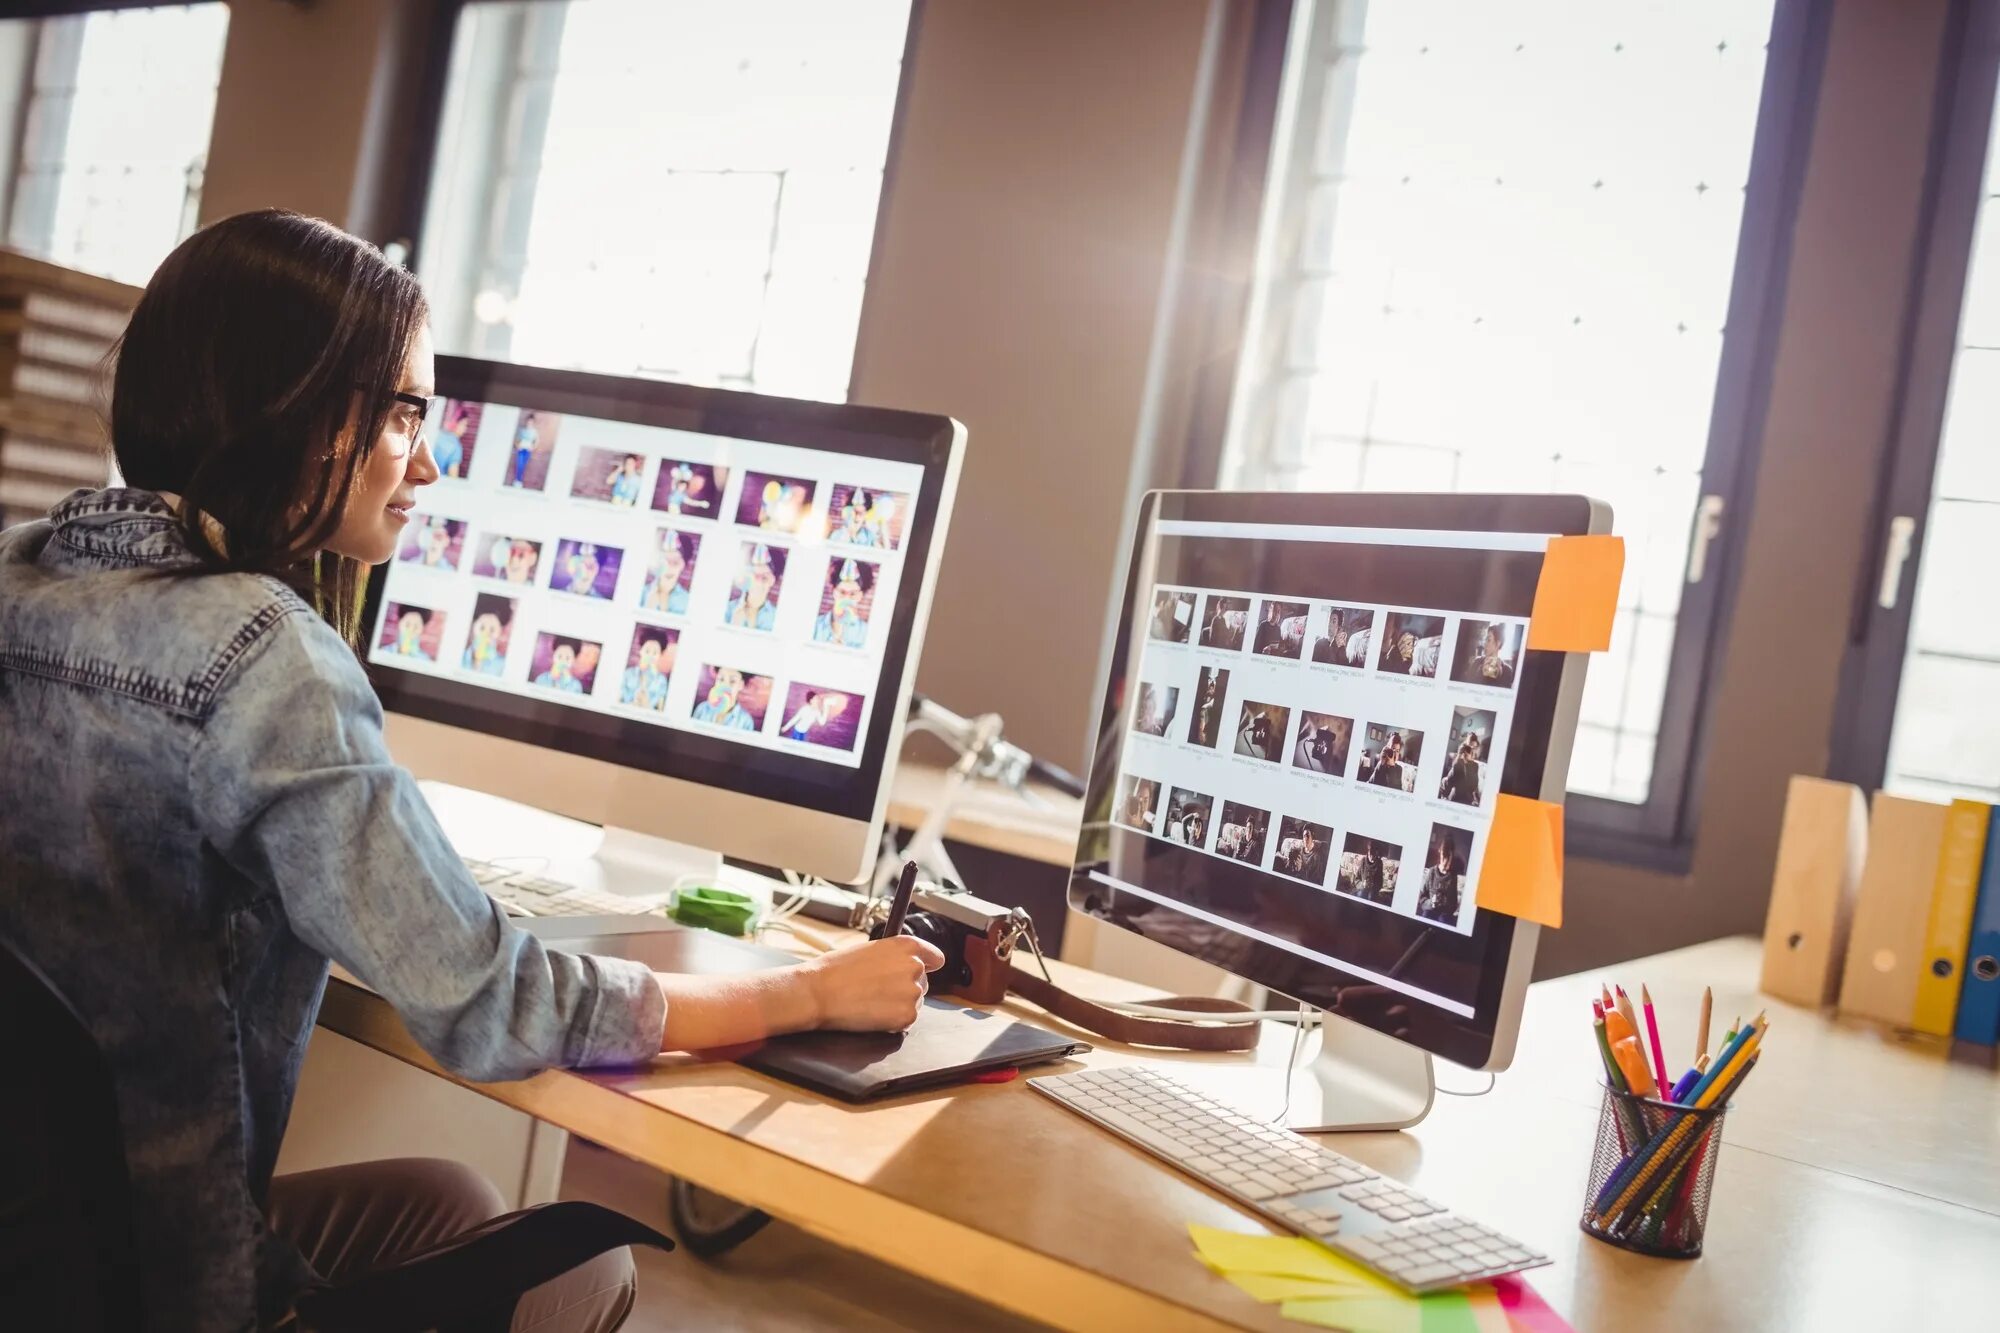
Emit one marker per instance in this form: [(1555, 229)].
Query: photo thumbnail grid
[(721, 586), (1340, 744)]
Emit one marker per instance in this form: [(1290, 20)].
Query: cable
[(1303, 1019), (1491, 1079)]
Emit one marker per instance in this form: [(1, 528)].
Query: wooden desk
[(1859, 1186), (1039, 827)]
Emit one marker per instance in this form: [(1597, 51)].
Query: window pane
[(97, 187), (1516, 233), (1945, 740), (679, 190)]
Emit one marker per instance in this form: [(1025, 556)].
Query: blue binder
[(1979, 1001)]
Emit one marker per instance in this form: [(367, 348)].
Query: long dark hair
[(237, 380)]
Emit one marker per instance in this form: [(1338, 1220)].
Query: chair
[(68, 1259)]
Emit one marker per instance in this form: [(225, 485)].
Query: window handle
[(1895, 554), (1707, 524)]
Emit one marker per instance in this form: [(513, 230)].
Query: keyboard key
[(1417, 1277)]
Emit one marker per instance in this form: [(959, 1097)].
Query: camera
[(977, 939)]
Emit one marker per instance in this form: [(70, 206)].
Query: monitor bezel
[(772, 777), (1551, 689)]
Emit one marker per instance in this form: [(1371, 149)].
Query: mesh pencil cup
[(1651, 1175)]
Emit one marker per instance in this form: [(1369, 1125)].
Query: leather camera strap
[(1189, 1035)]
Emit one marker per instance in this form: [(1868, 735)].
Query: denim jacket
[(197, 812)]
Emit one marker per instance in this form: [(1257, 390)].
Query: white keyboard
[(1415, 1242), (523, 894)]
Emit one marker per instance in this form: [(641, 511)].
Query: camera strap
[(1190, 1034)]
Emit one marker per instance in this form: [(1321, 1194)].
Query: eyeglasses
[(405, 420)]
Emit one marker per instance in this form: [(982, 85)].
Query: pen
[(1653, 1036), (899, 906)]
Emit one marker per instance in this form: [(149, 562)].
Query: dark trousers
[(349, 1219)]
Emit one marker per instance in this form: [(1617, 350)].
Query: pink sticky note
[(1526, 1309)]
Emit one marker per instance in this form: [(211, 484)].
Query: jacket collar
[(121, 523)]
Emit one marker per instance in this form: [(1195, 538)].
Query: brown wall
[(301, 116), (1021, 255), (1805, 539)]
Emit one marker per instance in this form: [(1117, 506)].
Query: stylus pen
[(899, 906)]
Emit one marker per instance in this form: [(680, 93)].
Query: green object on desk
[(721, 910)]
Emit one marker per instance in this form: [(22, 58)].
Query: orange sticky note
[(1577, 595), (1522, 874)]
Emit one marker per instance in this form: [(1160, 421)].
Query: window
[(96, 187), (1945, 740), (677, 190), (1502, 258)]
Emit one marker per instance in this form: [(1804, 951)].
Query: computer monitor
[(1312, 703), (693, 614)]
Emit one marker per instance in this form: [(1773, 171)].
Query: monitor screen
[(693, 582), (1313, 706)]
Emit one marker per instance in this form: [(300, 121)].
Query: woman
[(197, 787), (665, 590), (1461, 778), (1439, 899), (753, 602)]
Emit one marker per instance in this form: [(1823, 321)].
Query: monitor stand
[(1359, 1080)]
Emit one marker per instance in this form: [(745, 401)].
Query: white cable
[(1491, 1079), (1304, 1018)]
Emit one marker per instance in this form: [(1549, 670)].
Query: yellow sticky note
[(1232, 1252), (1271, 1288), (1522, 874), (1366, 1314), (1577, 594)]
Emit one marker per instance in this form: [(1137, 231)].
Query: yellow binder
[(1960, 856)]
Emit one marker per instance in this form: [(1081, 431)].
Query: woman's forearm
[(704, 1012)]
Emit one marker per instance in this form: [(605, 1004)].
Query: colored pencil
[(1625, 1009), (1660, 1075), (1611, 1074), (1701, 1030)]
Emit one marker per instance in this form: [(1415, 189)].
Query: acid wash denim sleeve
[(296, 789)]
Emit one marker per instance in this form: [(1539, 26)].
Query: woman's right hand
[(875, 986)]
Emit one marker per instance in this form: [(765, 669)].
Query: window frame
[(1871, 675), (1657, 834)]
